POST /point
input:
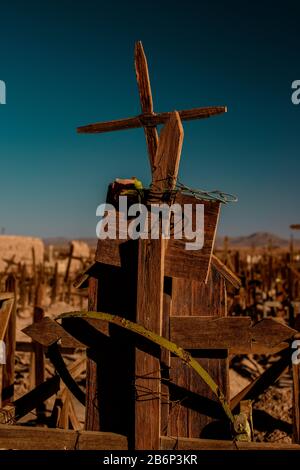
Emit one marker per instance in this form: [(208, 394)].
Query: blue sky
[(69, 63)]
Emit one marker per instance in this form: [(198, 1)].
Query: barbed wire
[(215, 195)]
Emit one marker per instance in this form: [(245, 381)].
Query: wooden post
[(147, 370), (10, 342), (38, 359), (55, 284), (67, 273), (150, 292), (296, 403), (92, 410)]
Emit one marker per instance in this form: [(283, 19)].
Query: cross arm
[(151, 120)]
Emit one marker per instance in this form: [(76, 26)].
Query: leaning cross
[(148, 119)]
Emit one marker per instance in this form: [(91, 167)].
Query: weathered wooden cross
[(133, 388), (148, 119), (167, 289), (155, 259)]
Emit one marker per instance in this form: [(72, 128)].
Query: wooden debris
[(30, 400), (47, 332), (181, 443), (26, 438)]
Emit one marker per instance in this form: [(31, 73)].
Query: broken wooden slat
[(28, 346), (48, 332), (57, 360), (39, 361), (179, 262), (234, 333), (143, 81), (271, 332), (31, 400), (5, 312), (6, 296), (150, 120), (193, 264), (258, 348), (8, 379), (229, 275), (165, 170), (26, 438), (92, 414), (262, 382), (75, 370), (74, 421), (181, 443), (70, 257)]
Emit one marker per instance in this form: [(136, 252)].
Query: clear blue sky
[(69, 63)]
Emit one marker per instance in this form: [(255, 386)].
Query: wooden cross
[(148, 119), (156, 259)]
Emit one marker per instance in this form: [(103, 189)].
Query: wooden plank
[(234, 333), (179, 262), (60, 367), (10, 344), (165, 357), (47, 332), (188, 418), (39, 361), (28, 346), (143, 80), (296, 403), (271, 332), (167, 158), (181, 443), (26, 438), (193, 264), (5, 312), (92, 410), (1, 381), (262, 382), (229, 275), (31, 400), (6, 296), (150, 120), (211, 332), (147, 369)]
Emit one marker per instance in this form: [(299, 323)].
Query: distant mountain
[(257, 239)]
